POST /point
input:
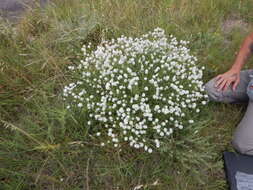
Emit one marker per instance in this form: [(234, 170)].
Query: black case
[(234, 162)]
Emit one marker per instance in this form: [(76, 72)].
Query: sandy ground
[(13, 8)]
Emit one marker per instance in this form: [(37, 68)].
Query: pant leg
[(243, 136), (230, 96)]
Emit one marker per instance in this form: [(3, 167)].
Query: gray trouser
[(243, 135)]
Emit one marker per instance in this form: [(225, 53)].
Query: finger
[(218, 77), (220, 87), (219, 81), (227, 85), (236, 83)]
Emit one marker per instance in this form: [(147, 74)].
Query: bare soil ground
[(234, 22), (13, 8)]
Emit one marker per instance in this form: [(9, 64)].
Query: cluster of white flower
[(137, 90)]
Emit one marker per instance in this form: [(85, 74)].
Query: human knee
[(241, 147), (212, 92), (238, 146)]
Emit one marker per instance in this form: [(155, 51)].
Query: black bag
[(239, 170)]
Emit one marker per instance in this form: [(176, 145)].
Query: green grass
[(43, 147)]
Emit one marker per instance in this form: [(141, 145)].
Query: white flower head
[(133, 90)]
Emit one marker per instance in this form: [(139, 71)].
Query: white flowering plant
[(137, 91)]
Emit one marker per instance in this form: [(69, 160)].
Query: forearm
[(245, 52)]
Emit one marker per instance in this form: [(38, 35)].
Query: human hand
[(232, 77)]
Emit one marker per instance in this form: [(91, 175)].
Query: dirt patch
[(13, 8), (234, 22)]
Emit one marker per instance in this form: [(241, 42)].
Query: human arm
[(232, 76)]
